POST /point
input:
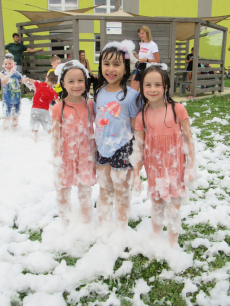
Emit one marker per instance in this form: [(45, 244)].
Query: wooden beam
[(117, 5), (50, 28), (224, 41), (60, 36), (75, 38), (173, 51), (102, 34), (195, 58), (209, 61)]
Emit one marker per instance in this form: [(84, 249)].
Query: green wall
[(11, 18), (170, 8)]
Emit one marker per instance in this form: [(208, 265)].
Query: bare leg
[(190, 79), (84, 194), (6, 123), (14, 122), (157, 216), (63, 201), (174, 220), (121, 182), (105, 199), (35, 136)]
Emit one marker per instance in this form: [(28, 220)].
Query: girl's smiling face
[(8, 64), (74, 83), (153, 90), (113, 69)]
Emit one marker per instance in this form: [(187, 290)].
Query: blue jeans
[(8, 109)]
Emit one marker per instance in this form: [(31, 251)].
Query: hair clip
[(127, 46), (163, 66)]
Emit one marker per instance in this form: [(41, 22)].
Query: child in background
[(116, 109), (55, 61), (73, 140), (11, 91), (164, 139), (43, 96)]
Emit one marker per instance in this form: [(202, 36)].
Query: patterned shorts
[(120, 159)]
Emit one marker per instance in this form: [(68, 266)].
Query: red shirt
[(43, 96)]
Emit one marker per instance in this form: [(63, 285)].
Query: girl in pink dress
[(73, 140), (164, 139)]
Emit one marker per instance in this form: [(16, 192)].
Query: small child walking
[(11, 101), (164, 139), (43, 96), (73, 140), (116, 110)]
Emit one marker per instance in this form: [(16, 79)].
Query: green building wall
[(159, 8)]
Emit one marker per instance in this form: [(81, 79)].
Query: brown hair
[(52, 78), (54, 58), (166, 86), (146, 29)]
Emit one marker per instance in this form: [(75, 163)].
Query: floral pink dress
[(77, 143), (163, 151)]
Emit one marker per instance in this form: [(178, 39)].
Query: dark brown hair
[(52, 78), (108, 54), (166, 86)]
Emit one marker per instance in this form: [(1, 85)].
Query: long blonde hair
[(146, 29)]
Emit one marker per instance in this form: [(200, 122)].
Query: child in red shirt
[(43, 96)]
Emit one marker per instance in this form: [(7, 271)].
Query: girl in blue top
[(116, 110)]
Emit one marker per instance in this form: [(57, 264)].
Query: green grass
[(227, 82), (166, 291)]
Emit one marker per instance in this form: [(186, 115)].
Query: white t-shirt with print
[(147, 50)]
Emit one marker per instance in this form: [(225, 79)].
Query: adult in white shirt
[(148, 53)]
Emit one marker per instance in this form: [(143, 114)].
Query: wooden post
[(2, 43), (102, 33), (173, 51), (223, 58), (195, 58), (75, 38), (187, 52), (117, 5)]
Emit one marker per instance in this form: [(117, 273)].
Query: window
[(108, 8), (63, 5), (97, 48)]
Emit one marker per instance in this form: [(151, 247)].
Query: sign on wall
[(113, 28)]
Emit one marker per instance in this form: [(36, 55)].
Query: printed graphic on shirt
[(114, 108), (14, 88), (144, 50)]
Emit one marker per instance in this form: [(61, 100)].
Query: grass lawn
[(205, 234)]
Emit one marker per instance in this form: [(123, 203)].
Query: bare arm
[(56, 138), (33, 50), (154, 60), (5, 78), (132, 122), (189, 60), (29, 83), (189, 149), (137, 158)]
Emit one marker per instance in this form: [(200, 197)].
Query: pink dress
[(77, 143), (163, 151)]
